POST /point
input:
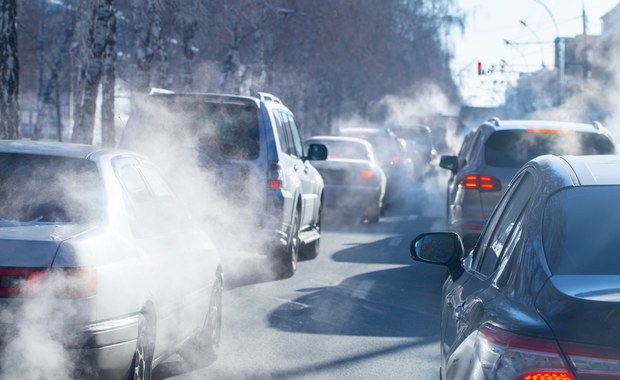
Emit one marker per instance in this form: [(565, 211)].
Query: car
[(354, 181), (393, 157), (250, 149), (420, 145), (101, 263), (491, 154), (538, 296)]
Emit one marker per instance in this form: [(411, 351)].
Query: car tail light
[(558, 131), (592, 362), (367, 174), (481, 182), (275, 176), (57, 282), (506, 355)]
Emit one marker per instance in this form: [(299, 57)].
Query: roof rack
[(156, 91), (267, 97), (598, 126), (495, 121)]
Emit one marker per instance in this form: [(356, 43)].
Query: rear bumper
[(351, 198), (101, 350)]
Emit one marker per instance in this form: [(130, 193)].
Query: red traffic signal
[(479, 68)]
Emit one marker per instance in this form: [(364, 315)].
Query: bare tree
[(150, 47), (9, 71), (102, 16)]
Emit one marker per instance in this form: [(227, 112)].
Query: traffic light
[(479, 68)]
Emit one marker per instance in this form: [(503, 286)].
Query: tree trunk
[(83, 129), (108, 82), (9, 71)]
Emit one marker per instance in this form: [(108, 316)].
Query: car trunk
[(583, 309), (33, 245), (346, 172)]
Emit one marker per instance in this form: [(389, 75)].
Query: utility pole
[(586, 55)]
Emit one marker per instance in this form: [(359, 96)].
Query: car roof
[(52, 148), (499, 125), (595, 170), (362, 130)]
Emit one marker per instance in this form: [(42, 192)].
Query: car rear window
[(38, 188), (516, 147), (580, 231), (381, 142), (220, 131), (343, 149)]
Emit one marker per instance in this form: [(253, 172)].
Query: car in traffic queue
[(420, 145), (491, 154), (393, 157), (538, 296), (354, 181), (251, 151), (99, 257)]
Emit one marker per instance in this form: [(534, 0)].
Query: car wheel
[(201, 350), (142, 362), (287, 264), (373, 214)]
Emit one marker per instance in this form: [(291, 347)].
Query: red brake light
[(274, 184), (275, 176), (547, 376), (366, 174), (482, 182), (57, 282), (558, 131)]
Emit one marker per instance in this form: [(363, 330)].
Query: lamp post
[(542, 52), (559, 52)]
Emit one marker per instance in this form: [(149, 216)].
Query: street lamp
[(542, 52)]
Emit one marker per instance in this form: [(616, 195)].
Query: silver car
[(492, 154), (100, 264), (354, 182)]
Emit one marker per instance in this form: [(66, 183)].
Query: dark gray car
[(539, 294), (492, 154), (101, 267)]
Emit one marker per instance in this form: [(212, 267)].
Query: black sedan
[(539, 295), (100, 265)]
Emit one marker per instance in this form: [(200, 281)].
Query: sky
[(529, 29)]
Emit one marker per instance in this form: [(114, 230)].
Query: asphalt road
[(362, 309)]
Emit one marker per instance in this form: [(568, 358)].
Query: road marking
[(361, 291), (394, 242)]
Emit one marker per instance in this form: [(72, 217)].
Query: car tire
[(373, 214), (287, 263), (142, 362), (202, 349)]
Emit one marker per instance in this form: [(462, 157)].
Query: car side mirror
[(317, 152), (449, 162), (439, 248)]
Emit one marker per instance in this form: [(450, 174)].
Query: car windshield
[(580, 231), (514, 148), (344, 149), (36, 188)]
